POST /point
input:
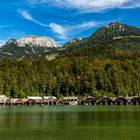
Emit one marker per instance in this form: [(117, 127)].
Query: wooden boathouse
[(3, 99), (70, 101), (105, 101), (52, 100), (135, 101), (89, 100), (121, 101)]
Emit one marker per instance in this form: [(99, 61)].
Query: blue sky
[(63, 20)]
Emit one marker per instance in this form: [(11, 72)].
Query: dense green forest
[(97, 71)]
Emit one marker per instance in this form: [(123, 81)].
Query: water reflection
[(68, 124)]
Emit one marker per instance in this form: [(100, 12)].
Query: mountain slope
[(27, 46), (113, 37), (33, 41), (112, 30), (108, 34)]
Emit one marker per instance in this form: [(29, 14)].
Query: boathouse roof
[(88, 98), (34, 97), (49, 97), (3, 98), (70, 98)]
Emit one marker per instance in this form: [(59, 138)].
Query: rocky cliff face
[(27, 45), (33, 41)]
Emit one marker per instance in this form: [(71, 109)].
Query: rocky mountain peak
[(117, 26), (114, 23), (28, 45), (33, 41), (113, 29)]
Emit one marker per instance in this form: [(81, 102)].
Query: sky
[(63, 20)]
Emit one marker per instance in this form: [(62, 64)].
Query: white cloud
[(90, 5), (59, 30), (67, 30), (62, 31), (28, 16), (85, 25), (132, 4)]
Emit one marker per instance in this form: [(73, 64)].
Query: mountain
[(112, 31), (77, 42), (33, 41), (107, 34), (115, 36), (27, 46)]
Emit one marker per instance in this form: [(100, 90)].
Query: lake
[(70, 123)]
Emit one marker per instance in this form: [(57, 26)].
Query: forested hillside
[(81, 75), (80, 68)]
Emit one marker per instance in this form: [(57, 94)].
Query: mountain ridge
[(28, 45), (113, 29), (106, 34), (114, 34), (34, 41)]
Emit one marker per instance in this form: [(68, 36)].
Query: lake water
[(70, 123)]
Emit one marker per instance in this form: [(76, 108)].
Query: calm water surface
[(70, 123)]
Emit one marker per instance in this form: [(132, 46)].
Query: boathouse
[(129, 100), (8, 102), (121, 101), (105, 101), (19, 102), (70, 100), (34, 100), (89, 100), (30, 102), (39, 102), (3, 99), (14, 101), (60, 102), (50, 100), (135, 100)]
